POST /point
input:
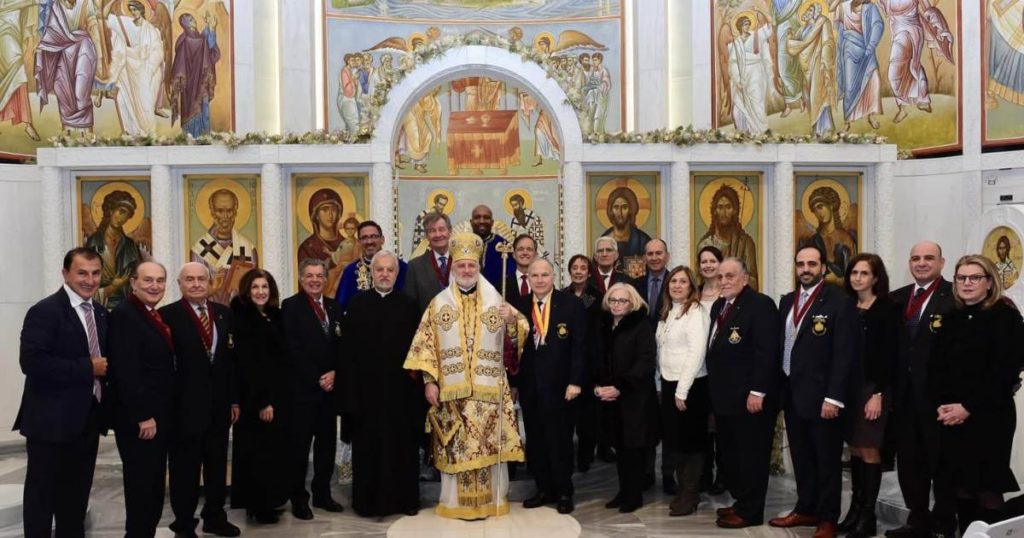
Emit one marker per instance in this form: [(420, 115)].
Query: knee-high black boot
[(871, 482), (853, 514)]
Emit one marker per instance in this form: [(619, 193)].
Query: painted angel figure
[(747, 69), (911, 23)]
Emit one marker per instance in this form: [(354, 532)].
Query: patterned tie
[(94, 345), (652, 295), (204, 320), (321, 315), (915, 314), (791, 331), (524, 288), (442, 263)]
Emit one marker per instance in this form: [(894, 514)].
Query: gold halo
[(202, 204), (551, 39), (643, 199), (744, 192), (448, 208), (988, 248), (96, 204), (807, 5), (417, 36), (348, 200), (527, 200), (749, 15), (844, 200)]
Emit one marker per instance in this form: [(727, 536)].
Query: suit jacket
[(826, 354), (141, 368), (55, 359), (911, 384), (204, 390), (653, 310), (421, 281), (617, 276), (545, 371), (743, 354), (311, 353)]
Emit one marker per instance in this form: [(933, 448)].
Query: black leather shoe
[(329, 504), (220, 527), (539, 499), (565, 505), (614, 503), (302, 511), (627, 508), (668, 485), (185, 533), (184, 530), (263, 517)]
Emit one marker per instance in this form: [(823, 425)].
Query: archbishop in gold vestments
[(459, 345)]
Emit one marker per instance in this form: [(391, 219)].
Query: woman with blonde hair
[(972, 374), (682, 336), (623, 373)]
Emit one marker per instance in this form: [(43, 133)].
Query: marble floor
[(593, 489)]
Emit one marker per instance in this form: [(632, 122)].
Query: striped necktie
[(94, 345)]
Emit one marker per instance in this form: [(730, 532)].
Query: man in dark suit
[(63, 341), (606, 255), (924, 304), (820, 354), (550, 377), (649, 287), (518, 288), (428, 272), (742, 363), (313, 331), (142, 383), (205, 405)]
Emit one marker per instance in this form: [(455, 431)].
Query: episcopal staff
[(142, 383), (63, 346), (821, 340), (551, 374), (205, 405), (742, 362), (924, 304), (260, 441), (386, 404), (428, 273), (312, 327)]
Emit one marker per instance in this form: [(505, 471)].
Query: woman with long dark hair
[(257, 483), (587, 427), (682, 336), (868, 283), (708, 259)]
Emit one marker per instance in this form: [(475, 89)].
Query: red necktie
[(524, 289)]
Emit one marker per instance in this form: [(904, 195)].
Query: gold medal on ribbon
[(541, 320)]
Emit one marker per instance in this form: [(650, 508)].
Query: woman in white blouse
[(682, 335)]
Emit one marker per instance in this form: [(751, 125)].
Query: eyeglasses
[(372, 237), (605, 250), (618, 301), (973, 279)]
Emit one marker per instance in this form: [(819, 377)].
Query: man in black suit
[(551, 374), (313, 331), (606, 255), (518, 288), (742, 363), (649, 287), (820, 353), (428, 273), (63, 341), (142, 383), (205, 405), (924, 304)]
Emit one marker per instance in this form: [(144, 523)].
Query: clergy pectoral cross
[(504, 248), (242, 257), (208, 248)]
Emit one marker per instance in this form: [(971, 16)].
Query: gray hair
[(742, 264), (606, 239), (135, 270), (541, 260), (209, 270), (381, 254), (310, 262)]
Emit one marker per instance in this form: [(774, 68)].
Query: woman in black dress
[(972, 372), (624, 386), (257, 483), (585, 406), (868, 283)]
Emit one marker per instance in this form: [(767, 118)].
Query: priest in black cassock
[(386, 402)]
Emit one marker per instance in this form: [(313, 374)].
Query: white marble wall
[(650, 64)]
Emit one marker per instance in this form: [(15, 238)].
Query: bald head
[(149, 281), (926, 262), (194, 282), (542, 277), (482, 221)]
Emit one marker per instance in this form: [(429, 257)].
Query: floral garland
[(431, 50)]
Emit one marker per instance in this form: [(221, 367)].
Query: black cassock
[(386, 405)]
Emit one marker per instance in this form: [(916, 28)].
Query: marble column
[(382, 204), (573, 214), (678, 235), (276, 257), (784, 192), (885, 213), (165, 233), (55, 226)]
